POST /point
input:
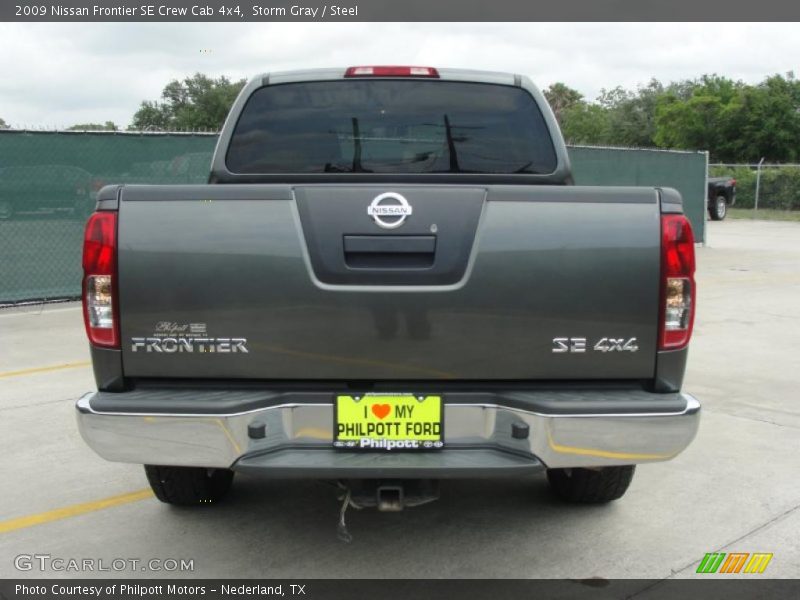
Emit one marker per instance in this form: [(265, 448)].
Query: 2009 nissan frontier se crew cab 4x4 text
[(389, 279)]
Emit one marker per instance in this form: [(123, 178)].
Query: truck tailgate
[(493, 282)]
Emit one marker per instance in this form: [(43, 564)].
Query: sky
[(54, 75)]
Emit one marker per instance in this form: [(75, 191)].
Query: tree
[(107, 126), (633, 120), (3, 124), (694, 124), (586, 124), (631, 115), (561, 98), (196, 103), (735, 122), (619, 117), (764, 121)]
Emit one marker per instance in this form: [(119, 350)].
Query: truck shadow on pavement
[(289, 529)]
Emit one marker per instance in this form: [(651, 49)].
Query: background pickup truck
[(388, 279), (721, 195)]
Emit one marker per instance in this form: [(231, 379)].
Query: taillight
[(677, 282), (391, 72), (99, 280)]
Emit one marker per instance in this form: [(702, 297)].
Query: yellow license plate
[(388, 422)]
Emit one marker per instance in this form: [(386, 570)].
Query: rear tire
[(188, 486), (718, 209), (591, 486)]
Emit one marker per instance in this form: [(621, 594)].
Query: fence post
[(758, 180)]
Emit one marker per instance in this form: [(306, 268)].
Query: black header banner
[(343, 11)]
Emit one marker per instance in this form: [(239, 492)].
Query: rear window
[(391, 126)]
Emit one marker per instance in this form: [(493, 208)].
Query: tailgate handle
[(390, 244), (389, 251)]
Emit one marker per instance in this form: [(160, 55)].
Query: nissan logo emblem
[(389, 210)]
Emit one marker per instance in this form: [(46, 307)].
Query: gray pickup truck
[(388, 279)]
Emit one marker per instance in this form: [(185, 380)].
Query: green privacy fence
[(48, 183), (684, 171)]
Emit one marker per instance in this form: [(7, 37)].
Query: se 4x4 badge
[(579, 345)]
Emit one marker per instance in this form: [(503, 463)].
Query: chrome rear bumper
[(601, 428)]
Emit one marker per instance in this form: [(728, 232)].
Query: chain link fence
[(48, 184), (763, 185), (49, 181)]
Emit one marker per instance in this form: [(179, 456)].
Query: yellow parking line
[(75, 365), (72, 511)]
